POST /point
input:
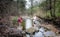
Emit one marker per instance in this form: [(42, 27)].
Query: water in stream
[(28, 23), (41, 32)]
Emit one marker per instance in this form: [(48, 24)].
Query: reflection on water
[(27, 35)]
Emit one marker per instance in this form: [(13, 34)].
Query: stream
[(41, 32)]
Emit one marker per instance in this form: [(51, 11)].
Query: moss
[(57, 14), (15, 20), (23, 25)]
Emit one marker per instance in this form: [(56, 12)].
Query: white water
[(28, 23), (42, 33)]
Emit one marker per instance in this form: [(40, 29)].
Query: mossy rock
[(23, 25)]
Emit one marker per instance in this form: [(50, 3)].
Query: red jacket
[(19, 20)]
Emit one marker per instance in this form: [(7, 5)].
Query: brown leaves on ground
[(51, 27)]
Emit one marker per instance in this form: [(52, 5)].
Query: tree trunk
[(52, 8)]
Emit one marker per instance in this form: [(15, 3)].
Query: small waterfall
[(28, 23)]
